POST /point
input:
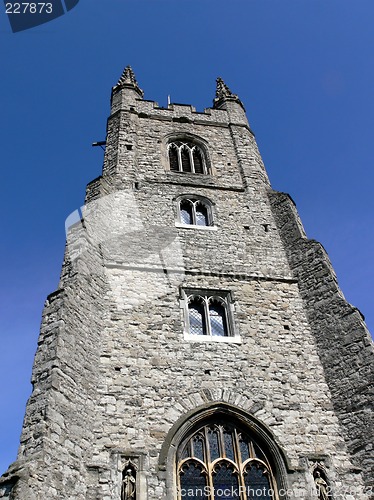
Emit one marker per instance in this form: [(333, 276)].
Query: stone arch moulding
[(182, 196), (181, 135), (191, 419)]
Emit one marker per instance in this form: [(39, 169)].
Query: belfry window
[(196, 212), (185, 156), (208, 314), (222, 457)]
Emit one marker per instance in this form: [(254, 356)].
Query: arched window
[(208, 314), (173, 157), (197, 316), (219, 459), (196, 212), (186, 211), (185, 156), (217, 317)]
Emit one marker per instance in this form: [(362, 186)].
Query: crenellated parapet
[(227, 109)]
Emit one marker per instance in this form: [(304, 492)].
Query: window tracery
[(186, 156), (221, 457), (195, 212), (208, 315)]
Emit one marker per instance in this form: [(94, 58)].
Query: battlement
[(175, 112), (227, 107)]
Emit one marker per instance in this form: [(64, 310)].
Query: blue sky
[(304, 70)]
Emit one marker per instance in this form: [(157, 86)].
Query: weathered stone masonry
[(342, 339), (115, 379)]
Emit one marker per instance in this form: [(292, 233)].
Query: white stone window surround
[(194, 226), (224, 297), (195, 201)]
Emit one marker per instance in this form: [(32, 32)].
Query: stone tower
[(198, 344)]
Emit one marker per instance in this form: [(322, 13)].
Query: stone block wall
[(114, 372), (344, 345)]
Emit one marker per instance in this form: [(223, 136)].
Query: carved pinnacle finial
[(128, 76), (222, 89), (128, 80), (223, 92)]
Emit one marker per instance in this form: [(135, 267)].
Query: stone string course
[(113, 373)]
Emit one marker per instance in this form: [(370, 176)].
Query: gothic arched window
[(221, 460), (186, 156), (196, 212), (208, 314)]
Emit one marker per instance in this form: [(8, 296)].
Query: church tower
[(198, 345)]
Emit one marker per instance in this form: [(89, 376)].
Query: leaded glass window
[(192, 480), (213, 441), (173, 158), (218, 461), (229, 445), (225, 481), (201, 214), (244, 452), (256, 479), (186, 212), (197, 318), (198, 161), (195, 212), (185, 156), (198, 447), (217, 317), (186, 159), (208, 314)]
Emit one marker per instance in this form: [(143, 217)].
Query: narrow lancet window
[(201, 213), (186, 160), (217, 319), (192, 480), (256, 478), (173, 158), (198, 161), (186, 212), (225, 479), (197, 317)]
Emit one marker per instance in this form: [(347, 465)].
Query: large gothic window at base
[(220, 461)]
